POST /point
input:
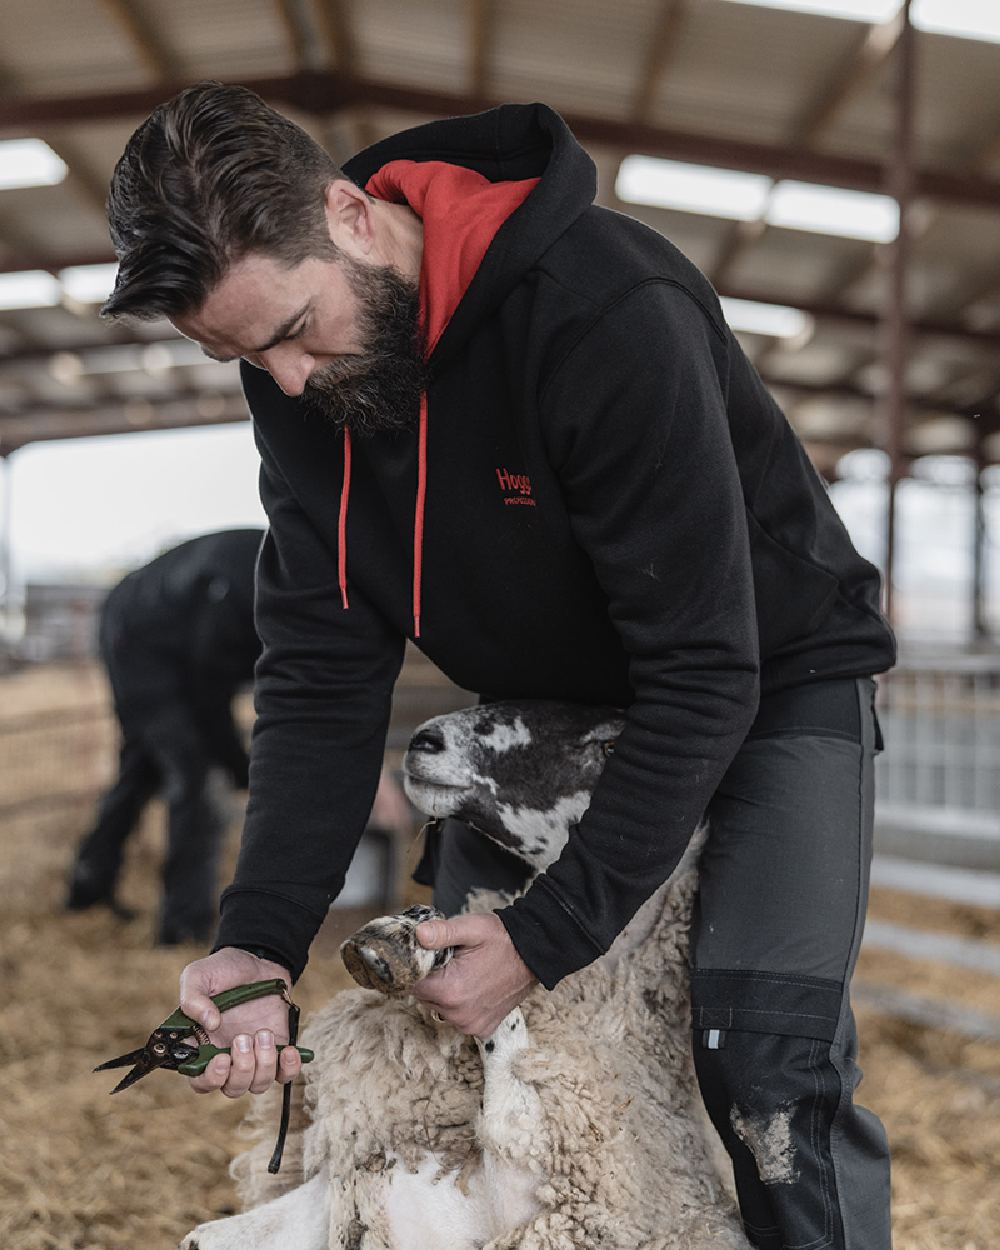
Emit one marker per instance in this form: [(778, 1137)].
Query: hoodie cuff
[(260, 920), (547, 934)]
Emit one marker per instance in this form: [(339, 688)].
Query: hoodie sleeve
[(636, 425), (322, 693)]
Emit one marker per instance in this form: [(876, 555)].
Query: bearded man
[(515, 428)]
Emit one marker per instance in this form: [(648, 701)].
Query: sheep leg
[(510, 1127), (298, 1220)]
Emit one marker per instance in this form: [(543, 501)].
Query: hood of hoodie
[(474, 259), (494, 192), (461, 212)]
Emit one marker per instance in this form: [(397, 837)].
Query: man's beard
[(378, 389)]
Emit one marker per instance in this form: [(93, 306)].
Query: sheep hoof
[(385, 955)]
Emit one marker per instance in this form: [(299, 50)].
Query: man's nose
[(290, 367)]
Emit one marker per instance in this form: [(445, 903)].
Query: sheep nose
[(430, 741)]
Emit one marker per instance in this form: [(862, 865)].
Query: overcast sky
[(94, 507), (87, 506)]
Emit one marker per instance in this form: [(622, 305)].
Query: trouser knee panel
[(772, 1099)]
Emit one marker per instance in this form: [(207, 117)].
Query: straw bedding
[(82, 1171)]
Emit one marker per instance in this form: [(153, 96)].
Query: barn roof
[(786, 95)]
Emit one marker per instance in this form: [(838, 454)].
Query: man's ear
[(349, 218)]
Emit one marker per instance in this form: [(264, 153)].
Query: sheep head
[(520, 773)]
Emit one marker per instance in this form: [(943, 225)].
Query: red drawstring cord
[(345, 490), (418, 515)]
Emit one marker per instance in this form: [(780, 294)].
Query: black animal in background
[(178, 641)]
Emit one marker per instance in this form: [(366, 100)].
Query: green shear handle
[(205, 1055), (226, 999)]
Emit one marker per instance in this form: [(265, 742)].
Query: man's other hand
[(484, 981), (251, 1031)]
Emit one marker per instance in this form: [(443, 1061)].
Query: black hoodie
[(616, 512)]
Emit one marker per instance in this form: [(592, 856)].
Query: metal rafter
[(82, 177), (296, 32), (985, 286), (307, 53), (981, 155), (152, 52), (868, 54), (32, 342), (335, 25), (670, 22), (28, 254), (925, 327), (14, 240), (13, 236), (921, 219), (126, 418), (482, 24), (180, 409), (320, 94), (93, 188), (852, 392)]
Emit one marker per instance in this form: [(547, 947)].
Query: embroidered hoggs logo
[(516, 488)]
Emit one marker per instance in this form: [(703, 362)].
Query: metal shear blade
[(159, 1052), (137, 1057)]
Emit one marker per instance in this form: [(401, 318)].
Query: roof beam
[(187, 409), (850, 391), (335, 23), (297, 28), (831, 313), (985, 286), (321, 93), (180, 412), (869, 53), (670, 22), (93, 188), (482, 22), (872, 50), (161, 65), (94, 191), (306, 51), (980, 154), (16, 242), (28, 255)]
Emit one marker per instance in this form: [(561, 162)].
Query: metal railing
[(939, 777)]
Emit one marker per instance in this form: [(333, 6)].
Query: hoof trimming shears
[(181, 1045)]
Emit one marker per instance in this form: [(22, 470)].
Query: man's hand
[(251, 1030), (486, 979)]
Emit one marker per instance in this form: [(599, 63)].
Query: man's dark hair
[(210, 176)]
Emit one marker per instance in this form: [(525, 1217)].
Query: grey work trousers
[(775, 937)]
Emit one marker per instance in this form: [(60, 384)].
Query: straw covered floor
[(82, 1171)]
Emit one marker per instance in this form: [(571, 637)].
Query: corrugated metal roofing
[(692, 72)]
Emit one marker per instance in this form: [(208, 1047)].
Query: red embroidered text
[(516, 487)]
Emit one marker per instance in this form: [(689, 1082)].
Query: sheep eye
[(608, 748)]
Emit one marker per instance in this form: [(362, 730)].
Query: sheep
[(577, 1126)]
